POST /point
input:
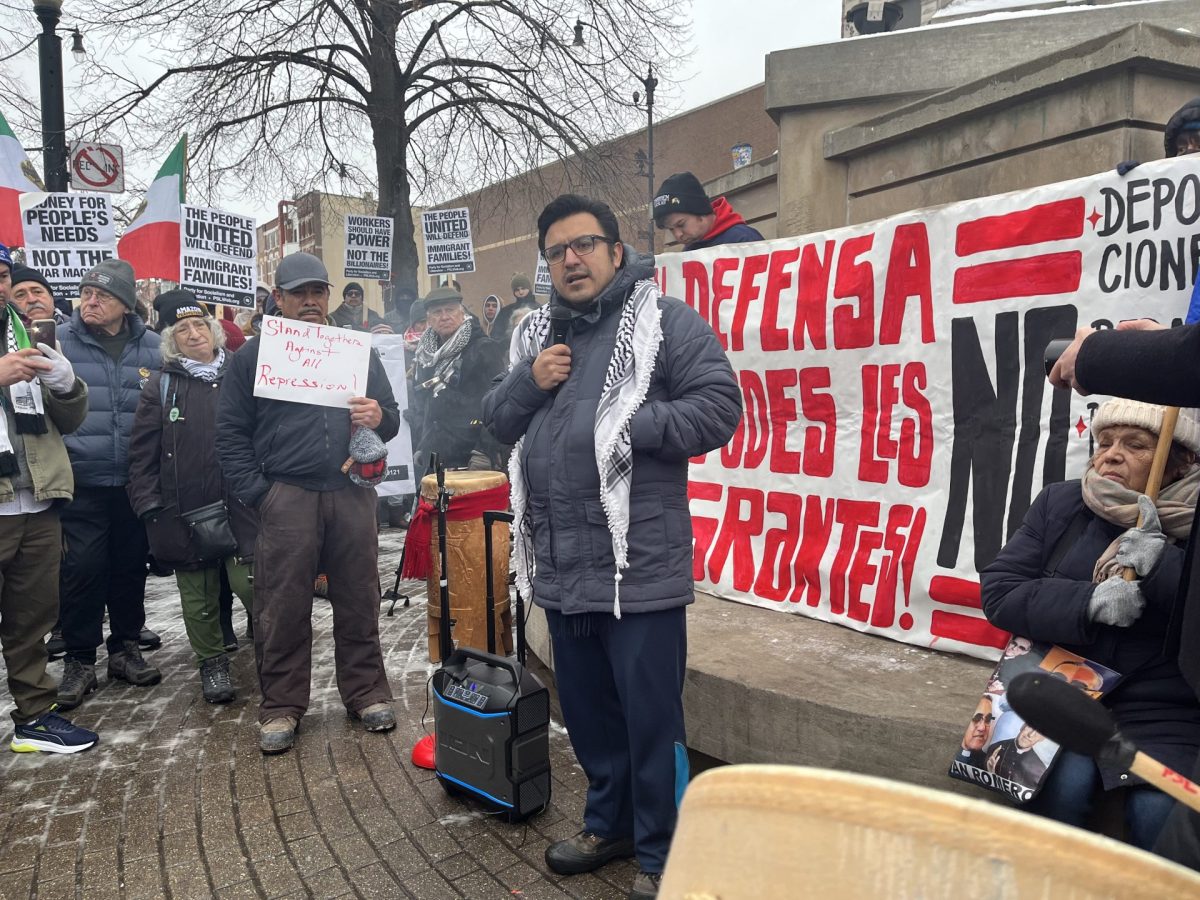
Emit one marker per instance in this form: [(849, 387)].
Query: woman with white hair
[(1059, 580), (193, 522)]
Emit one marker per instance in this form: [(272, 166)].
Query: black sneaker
[(79, 680), (56, 647), (214, 680), (586, 852), (51, 733), (148, 640), (645, 885), (128, 665), (229, 639)]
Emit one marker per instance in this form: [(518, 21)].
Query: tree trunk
[(394, 201), (389, 134)]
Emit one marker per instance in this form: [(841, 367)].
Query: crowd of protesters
[(126, 448)]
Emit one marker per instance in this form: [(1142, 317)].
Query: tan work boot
[(277, 735), (376, 717)]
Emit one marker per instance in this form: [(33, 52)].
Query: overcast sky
[(732, 41), (729, 47)]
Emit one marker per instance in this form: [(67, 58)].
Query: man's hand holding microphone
[(553, 365)]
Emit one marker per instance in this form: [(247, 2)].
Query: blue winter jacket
[(693, 406), (99, 448)]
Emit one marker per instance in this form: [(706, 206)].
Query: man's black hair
[(568, 205)]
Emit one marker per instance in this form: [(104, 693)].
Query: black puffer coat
[(451, 423), (1153, 705), (173, 466)]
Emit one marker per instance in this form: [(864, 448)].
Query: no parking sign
[(97, 167)]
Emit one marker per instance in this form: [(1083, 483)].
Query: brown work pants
[(302, 533), (30, 556)]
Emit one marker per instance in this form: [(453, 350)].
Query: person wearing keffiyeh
[(454, 365), (42, 399), (611, 389)]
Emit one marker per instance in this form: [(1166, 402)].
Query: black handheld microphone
[(560, 322), (1072, 719)]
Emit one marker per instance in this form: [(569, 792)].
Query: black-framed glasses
[(983, 717), (582, 245)]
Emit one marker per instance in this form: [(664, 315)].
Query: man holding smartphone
[(42, 399)]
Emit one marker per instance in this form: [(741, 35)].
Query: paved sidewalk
[(177, 801)]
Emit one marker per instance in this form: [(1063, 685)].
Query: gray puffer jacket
[(693, 406)]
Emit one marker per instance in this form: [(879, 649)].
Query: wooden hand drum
[(467, 568)]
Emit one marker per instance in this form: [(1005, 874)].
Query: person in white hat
[(1060, 580)]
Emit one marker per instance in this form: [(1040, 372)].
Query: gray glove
[(61, 377), (1140, 548), (1116, 602)]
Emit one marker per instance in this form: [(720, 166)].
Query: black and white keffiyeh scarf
[(205, 371), (635, 350), (444, 360), (25, 398)]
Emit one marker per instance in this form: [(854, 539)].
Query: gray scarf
[(1176, 505), (445, 360)]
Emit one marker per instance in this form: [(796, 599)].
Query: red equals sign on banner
[(1040, 275), (957, 626)]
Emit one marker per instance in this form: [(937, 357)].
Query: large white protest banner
[(898, 422), (369, 247), (309, 363), (217, 256), (399, 477), (448, 247), (66, 235)]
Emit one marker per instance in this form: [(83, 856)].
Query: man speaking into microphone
[(612, 388)]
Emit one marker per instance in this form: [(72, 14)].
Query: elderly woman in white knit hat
[(1082, 603)]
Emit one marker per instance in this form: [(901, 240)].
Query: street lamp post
[(650, 83), (54, 125)]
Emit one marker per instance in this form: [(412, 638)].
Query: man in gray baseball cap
[(285, 459)]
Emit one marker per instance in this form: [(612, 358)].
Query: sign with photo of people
[(999, 751)]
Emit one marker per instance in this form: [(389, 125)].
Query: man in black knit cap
[(682, 208)]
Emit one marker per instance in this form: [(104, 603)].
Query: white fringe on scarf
[(626, 383)]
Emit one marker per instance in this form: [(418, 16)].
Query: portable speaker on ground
[(491, 715)]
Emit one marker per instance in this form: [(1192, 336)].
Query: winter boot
[(214, 679), (128, 665), (79, 680)]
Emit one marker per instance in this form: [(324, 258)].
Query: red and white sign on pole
[(97, 167)]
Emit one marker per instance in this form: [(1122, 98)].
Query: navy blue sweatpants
[(620, 682)]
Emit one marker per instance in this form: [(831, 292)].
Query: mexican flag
[(151, 242), (17, 176)]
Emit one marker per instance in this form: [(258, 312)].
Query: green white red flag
[(17, 176), (151, 242)]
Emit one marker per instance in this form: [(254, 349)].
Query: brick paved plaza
[(177, 801)]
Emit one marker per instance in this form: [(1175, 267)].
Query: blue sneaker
[(51, 733)]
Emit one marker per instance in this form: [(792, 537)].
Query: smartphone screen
[(41, 331)]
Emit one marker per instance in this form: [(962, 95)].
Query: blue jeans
[(1067, 793)]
